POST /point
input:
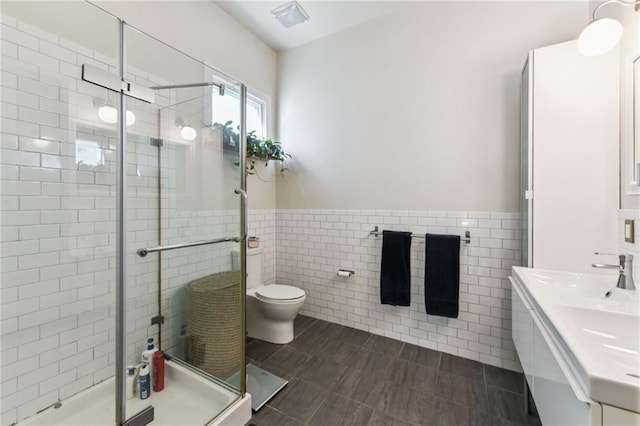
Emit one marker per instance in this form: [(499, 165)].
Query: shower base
[(187, 399)]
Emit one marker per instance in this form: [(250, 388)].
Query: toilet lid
[(280, 292)]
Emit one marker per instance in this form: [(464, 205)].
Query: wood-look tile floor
[(342, 376)]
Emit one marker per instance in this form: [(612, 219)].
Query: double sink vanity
[(577, 334), (577, 337)]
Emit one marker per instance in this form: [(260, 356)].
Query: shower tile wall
[(313, 244), (58, 224)]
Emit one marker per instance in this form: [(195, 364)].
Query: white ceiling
[(326, 17)]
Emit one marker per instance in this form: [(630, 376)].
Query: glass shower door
[(58, 235), (183, 170)]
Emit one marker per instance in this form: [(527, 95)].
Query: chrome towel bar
[(377, 233), (144, 251)]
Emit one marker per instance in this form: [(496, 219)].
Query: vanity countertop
[(597, 327)]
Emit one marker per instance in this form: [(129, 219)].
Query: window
[(226, 108)]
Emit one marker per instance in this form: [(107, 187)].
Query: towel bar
[(376, 233)]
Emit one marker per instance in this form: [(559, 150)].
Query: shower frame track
[(126, 89)]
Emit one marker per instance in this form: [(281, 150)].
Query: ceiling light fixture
[(290, 14), (602, 34)]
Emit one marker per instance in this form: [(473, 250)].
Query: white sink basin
[(590, 291), (599, 327), (607, 345)]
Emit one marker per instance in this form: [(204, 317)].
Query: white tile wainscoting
[(262, 224), (313, 244)]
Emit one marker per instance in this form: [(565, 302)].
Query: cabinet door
[(612, 416), (522, 332), (555, 399), (575, 157)]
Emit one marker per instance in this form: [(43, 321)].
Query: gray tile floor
[(343, 376)]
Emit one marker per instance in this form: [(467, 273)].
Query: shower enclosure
[(121, 190)]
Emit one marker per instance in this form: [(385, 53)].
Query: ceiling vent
[(290, 14)]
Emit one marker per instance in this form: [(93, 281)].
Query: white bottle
[(131, 381), (147, 356), (145, 381)]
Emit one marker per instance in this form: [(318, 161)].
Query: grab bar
[(144, 251), (376, 233)]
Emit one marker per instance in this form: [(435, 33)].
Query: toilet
[(271, 308)]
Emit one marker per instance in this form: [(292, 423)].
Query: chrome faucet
[(625, 279)]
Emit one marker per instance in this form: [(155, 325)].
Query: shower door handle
[(145, 251), (245, 212)]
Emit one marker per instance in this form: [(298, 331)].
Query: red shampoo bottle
[(158, 371)]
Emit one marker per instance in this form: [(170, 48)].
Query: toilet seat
[(278, 292)]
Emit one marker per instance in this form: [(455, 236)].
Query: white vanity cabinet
[(555, 390), (575, 337)]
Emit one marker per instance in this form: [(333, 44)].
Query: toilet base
[(276, 332), (271, 321)]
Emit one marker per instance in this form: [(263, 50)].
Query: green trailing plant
[(258, 149)]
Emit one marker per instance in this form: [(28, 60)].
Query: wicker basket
[(213, 322)]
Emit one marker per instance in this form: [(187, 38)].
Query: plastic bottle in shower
[(145, 381), (158, 371), (147, 356), (131, 381)]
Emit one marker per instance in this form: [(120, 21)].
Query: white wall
[(411, 122), (416, 110)]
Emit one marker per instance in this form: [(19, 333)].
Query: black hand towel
[(442, 275), (395, 270)]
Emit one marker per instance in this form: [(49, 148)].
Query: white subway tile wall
[(262, 224), (57, 226), (631, 248), (57, 239), (313, 244)]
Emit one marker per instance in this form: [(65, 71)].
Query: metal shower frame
[(121, 230)]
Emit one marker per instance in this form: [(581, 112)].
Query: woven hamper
[(213, 322)]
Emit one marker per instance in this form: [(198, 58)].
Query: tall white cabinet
[(570, 158)]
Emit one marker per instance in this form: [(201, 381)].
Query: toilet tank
[(254, 265)]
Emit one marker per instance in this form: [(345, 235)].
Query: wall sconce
[(602, 34), (187, 132), (109, 114)]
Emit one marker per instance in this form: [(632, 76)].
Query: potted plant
[(258, 149)]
